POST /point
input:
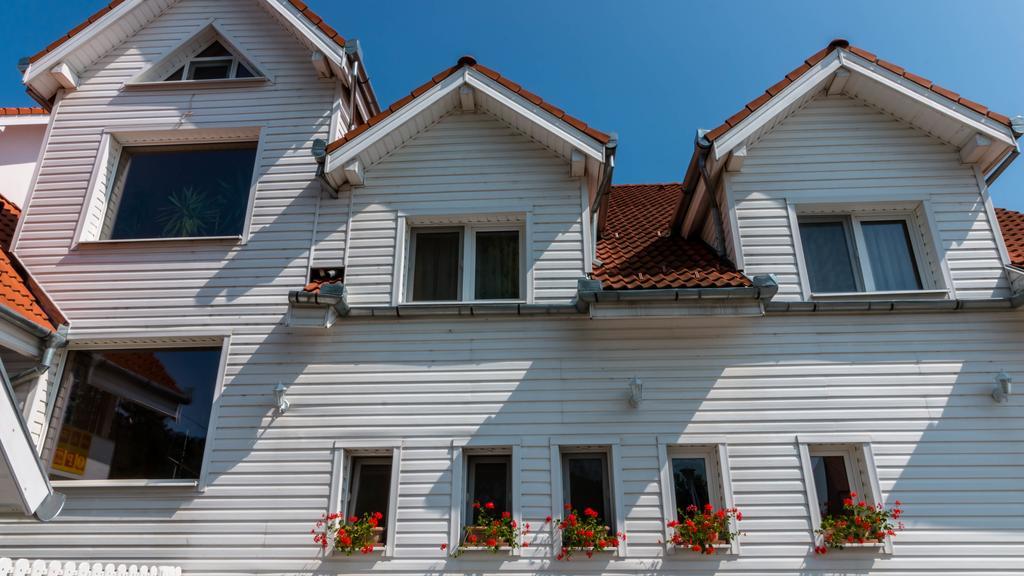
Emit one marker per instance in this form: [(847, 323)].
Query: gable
[(208, 54)]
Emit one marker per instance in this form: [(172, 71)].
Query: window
[(831, 482), (859, 254), (136, 414), (215, 62), (465, 263), (586, 483), (370, 490), (180, 191), (488, 479), (690, 483)]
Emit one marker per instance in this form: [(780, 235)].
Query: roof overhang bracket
[(65, 76), (975, 149), (838, 82), (466, 98)]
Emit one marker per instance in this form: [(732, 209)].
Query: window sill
[(136, 241), (124, 483), (481, 550), (186, 84), (461, 303), (891, 295)]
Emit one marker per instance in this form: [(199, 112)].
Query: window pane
[(243, 72), (176, 75), (831, 483), (497, 265), (436, 269), (175, 192), (372, 483), (691, 483), (891, 255), (489, 482), (827, 254), (214, 70), (587, 478), (215, 49), (139, 414)]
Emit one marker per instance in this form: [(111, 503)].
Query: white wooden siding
[(837, 149), (467, 162)]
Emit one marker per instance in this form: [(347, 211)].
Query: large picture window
[(465, 263), (136, 414), (182, 191), (859, 254)]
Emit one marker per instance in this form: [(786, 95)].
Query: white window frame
[(933, 282), (467, 255), (342, 475), (860, 468), (715, 451), (461, 449), (95, 211), (611, 446), (126, 341)]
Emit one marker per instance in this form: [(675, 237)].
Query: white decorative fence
[(24, 567)]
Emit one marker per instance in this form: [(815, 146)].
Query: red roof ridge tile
[(843, 44), (470, 62), (22, 111), (1011, 223), (299, 5)]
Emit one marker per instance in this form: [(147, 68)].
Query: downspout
[(54, 341), (353, 50), (599, 207), (716, 211)]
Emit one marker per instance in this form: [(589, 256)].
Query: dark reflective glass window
[(437, 266), (831, 483), (587, 483), (136, 414), (489, 479), (214, 69), (371, 489), (497, 265), (690, 479), (830, 265), (181, 191)]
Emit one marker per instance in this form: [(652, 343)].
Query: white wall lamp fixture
[(1001, 392), (636, 392), (280, 401)]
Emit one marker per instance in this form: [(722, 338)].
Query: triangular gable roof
[(177, 57), (295, 13), (500, 91)]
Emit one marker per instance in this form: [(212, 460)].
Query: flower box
[(376, 541), (480, 533), (860, 525)]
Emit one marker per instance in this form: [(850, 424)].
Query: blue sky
[(652, 71)]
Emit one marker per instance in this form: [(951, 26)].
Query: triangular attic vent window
[(215, 62)]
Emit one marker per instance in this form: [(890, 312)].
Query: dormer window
[(215, 62), (477, 262)]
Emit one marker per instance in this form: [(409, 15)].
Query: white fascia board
[(26, 120), (18, 454), (931, 100), (778, 104), (315, 36), (536, 114), (338, 158), (48, 61)]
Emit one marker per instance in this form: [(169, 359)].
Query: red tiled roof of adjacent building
[(22, 111), (308, 13), (1012, 225), (471, 62), (840, 44), (145, 364), (638, 250), (18, 291)]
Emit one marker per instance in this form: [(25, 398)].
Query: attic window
[(215, 62)]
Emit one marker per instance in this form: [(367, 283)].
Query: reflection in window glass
[(181, 191), (489, 481), (891, 255), (586, 483), (827, 254), (691, 483), (831, 483), (136, 414), (371, 488)]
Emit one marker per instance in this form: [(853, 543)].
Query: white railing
[(24, 567)]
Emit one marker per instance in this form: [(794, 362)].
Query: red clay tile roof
[(638, 250), (17, 289), (145, 364), (471, 62), (22, 111), (1012, 225), (840, 44), (298, 4)]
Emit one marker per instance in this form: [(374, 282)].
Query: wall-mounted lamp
[(636, 392), (1001, 392), (280, 401)]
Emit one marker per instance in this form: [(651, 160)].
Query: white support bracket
[(322, 65), (838, 82), (975, 149), (736, 159), (354, 172), (467, 97), (577, 164), (65, 76)]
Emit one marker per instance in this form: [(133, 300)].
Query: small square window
[(488, 480), (465, 263), (859, 254), (180, 191), (690, 483), (370, 490), (136, 414), (586, 483)]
